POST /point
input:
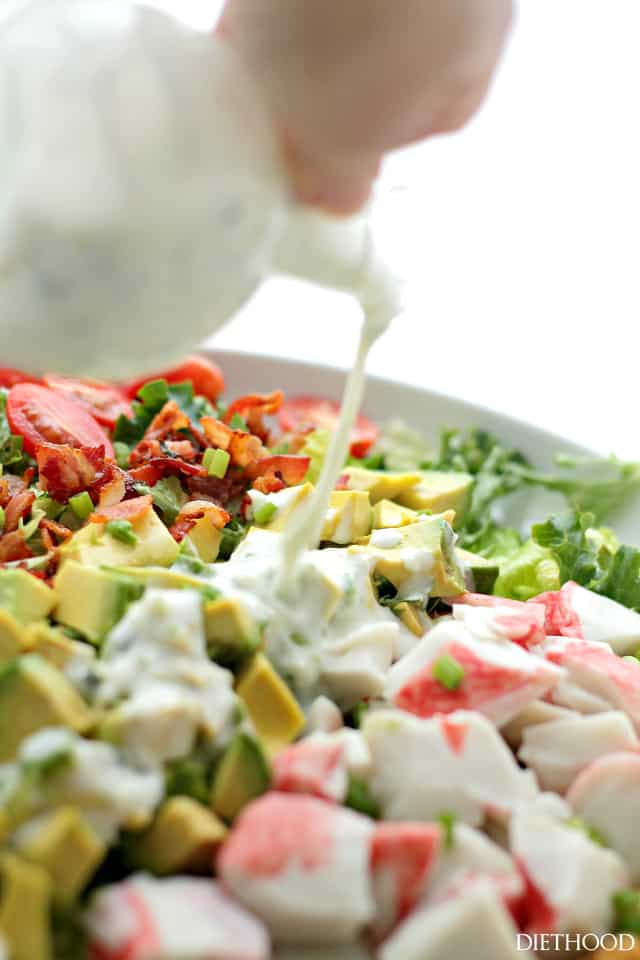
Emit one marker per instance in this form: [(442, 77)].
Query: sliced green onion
[(122, 530), (2, 518), (155, 393), (238, 423), (216, 462), (264, 512), (447, 821), (122, 451), (81, 504), (360, 798), (448, 672)]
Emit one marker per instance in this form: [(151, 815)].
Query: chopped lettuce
[(401, 448), (12, 455), (528, 571), (315, 447), (130, 430), (169, 497)]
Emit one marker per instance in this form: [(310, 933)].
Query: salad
[(416, 745)]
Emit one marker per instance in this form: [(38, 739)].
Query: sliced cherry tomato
[(9, 377), (41, 415), (104, 402), (298, 413), (205, 376)]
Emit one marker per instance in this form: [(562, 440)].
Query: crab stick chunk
[(469, 853), (456, 763), (607, 797), (557, 751), (317, 765), (185, 917), (496, 618), (302, 865), (569, 878), (474, 925), (403, 857), (540, 711), (577, 612), (451, 670), (597, 679)]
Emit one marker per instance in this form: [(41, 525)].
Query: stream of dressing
[(380, 302)]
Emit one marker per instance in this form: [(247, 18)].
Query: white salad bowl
[(427, 411)]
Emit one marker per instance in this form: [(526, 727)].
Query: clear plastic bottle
[(143, 195)]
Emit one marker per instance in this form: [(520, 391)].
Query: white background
[(519, 238)]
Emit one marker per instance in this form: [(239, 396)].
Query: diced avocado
[(287, 502), (206, 539), (91, 600), (274, 711), (230, 631), (242, 775), (163, 577), (68, 849), (54, 646), (24, 596), (387, 514), (381, 484), (182, 838), (33, 694), (483, 571), (25, 904), (438, 491), (414, 618), (93, 546), (12, 637), (420, 552), (348, 518)]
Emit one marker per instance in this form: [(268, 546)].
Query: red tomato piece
[(104, 402), (9, 377), (41, 415), (300, 413), (206, 377)]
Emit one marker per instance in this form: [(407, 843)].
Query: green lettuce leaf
[(130, 430), (528, 571)]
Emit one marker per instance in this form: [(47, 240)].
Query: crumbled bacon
[(65, 471), (125, 510), (217, 434), (218, 490), (13, 546), (159, 467), (181, 448), (18, 507), (58, 530), (270, 474), (10, 485), (253, 408), (192, 512), (165, 426)]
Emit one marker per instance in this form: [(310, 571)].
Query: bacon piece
[(14, 547), (245, 449), (10, 484), (253, 408), (316, 766), (58, 529), (159, 467), (114, 489), (66, 471), (271, 474), (402, 858), (126, 510), (217, 490), (181, 448), (217, 434), (18, 508), (166, 424), (196, 510)]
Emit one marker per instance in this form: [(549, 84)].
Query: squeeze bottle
[(143, 198)]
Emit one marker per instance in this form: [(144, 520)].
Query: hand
[(349, 80)]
